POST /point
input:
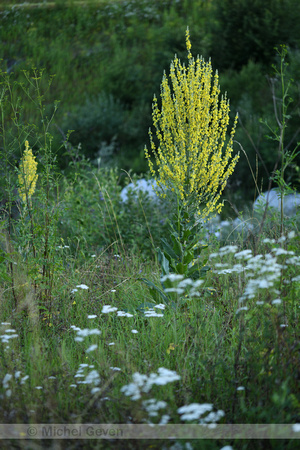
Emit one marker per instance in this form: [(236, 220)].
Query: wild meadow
[(131, 312)]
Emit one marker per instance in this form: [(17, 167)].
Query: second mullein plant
[(192, 163)]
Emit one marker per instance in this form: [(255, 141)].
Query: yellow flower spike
[(27, 176), (191, 129)]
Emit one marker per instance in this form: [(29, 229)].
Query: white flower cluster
[(151, 313), (261, 271), (152, 406), (80, 286), (180, 285), (8, 378), (91, 377), (9, 333), (148, 313), (81, 334), (195, 411), (143, 383)]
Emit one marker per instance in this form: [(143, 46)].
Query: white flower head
[(172, 277), (124, 314), (194, 411), (91, 348), (6, 379), (243, 254), (152, 313), (277, 301), (107, 309), (296, 427)]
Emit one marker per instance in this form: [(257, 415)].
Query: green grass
[(77, 249), (212, 348)]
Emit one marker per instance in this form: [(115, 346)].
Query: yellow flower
[(171, 348), (192, 158), (27, 176)]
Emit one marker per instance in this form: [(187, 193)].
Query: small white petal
[(277, 301), (92, 348)]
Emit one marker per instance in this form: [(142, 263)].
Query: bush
[(95, 217), (244, 30), (96, 124)]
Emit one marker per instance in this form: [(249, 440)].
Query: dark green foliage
[(254, 95), (108, 61), (95, 217), (244, 30), (96, 123)]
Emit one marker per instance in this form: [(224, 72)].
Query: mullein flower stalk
[(192, 158), (27, 176), (27, 183), (193, 161)]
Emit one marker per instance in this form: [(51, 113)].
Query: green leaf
[(163, 261), (157, 289), (188, 257), (186, 234), (144, 306), (43, 307), (177, 246), (5, 277), (181, 268), (168, 249)]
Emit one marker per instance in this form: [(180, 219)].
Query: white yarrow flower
[(107, 309), (194, 411), (91, 348)]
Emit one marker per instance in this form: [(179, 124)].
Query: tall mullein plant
[(32, 232), (193, 159), (27, 179)]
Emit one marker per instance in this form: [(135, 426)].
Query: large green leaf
[(168, 249), (177, 247), (181, 268), (163, 261), (188, 257)]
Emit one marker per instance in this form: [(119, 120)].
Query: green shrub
[(244, 30), (98, 122), (96, 218)]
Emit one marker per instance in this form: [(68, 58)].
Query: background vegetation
[(75, 248), (108, 58)]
